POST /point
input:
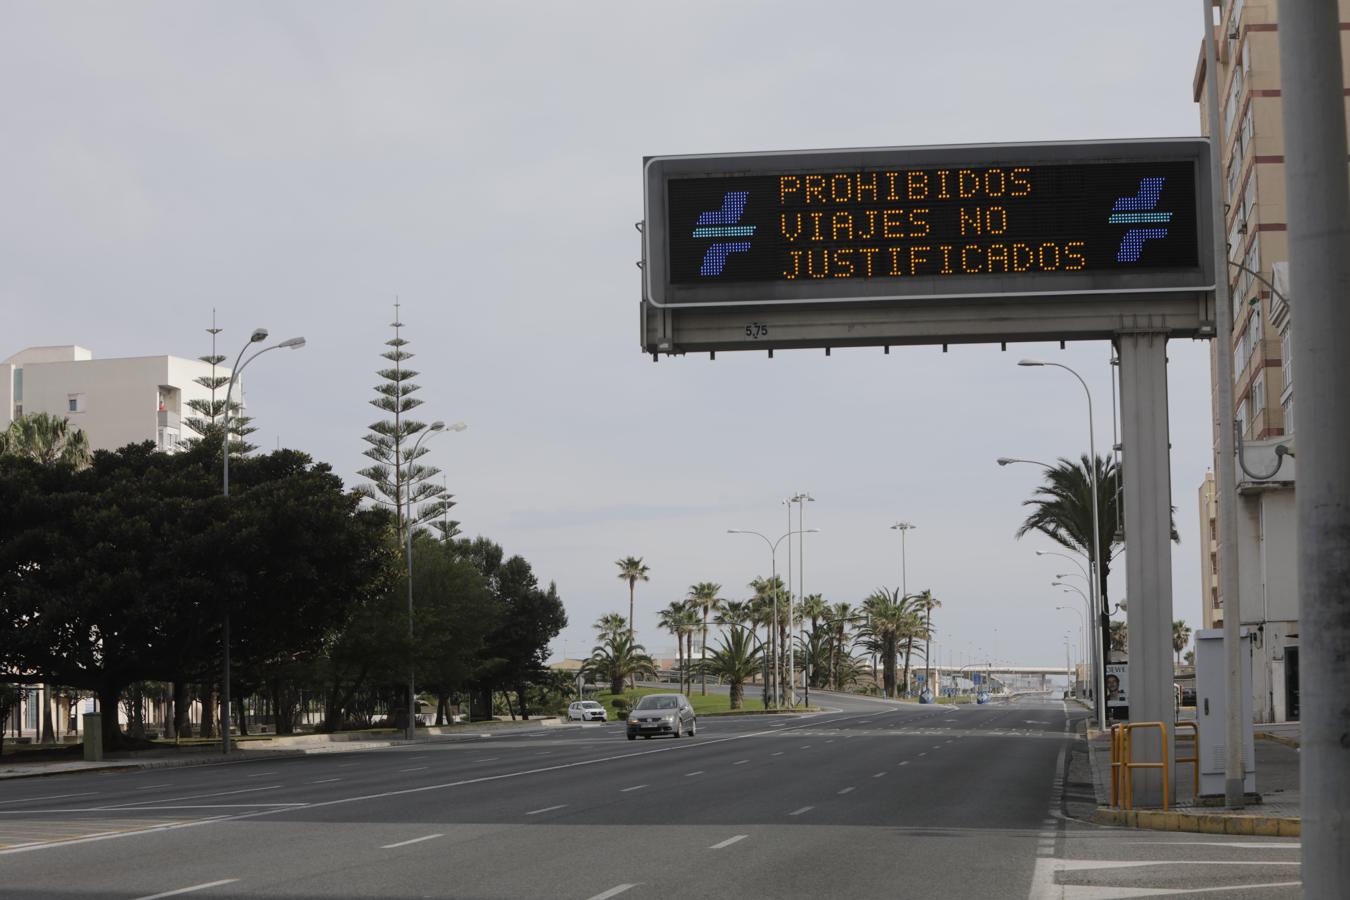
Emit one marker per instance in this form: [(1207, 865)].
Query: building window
[(1289, 414), (1258, 395), (1286, 361), (75, 403)]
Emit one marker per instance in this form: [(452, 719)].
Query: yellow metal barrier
[(1117, 746), (1195, 759), (1129, 765)]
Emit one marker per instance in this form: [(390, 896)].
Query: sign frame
[(657, 170)]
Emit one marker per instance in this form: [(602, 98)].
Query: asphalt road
[(871, 800)]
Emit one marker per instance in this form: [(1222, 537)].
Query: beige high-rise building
[(1251, 137), (1211, 614)]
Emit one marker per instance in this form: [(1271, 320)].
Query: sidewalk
[(285, 747), (1277, 782)]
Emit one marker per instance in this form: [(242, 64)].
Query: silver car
[(669, 714), (587, 711)]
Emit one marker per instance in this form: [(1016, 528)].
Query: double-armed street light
[(434, 428), (1095, 560), (259, 335), (773, 570)]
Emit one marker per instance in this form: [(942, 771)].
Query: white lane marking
[(361, 798), (413, 758), (189, 890), (777, 753), (1245, 845), (488, 759), (804, 747), (198, 806), (740, 762), (56, 796), (269, 787), (417, 840), (1072, 865), (846, 790), (261, 774), (689, 774), (830, 741), (879, 775), (924, 753), (535, 812), (613, 892), (325, 780), (414, 769), (798, 812), (347, 765), (729, 841), (151, 787), (636, 787), (937, 746), (903, 762)]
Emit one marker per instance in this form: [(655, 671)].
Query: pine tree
[(397, 481), (208, 411)]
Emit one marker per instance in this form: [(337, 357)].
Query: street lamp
[(1095, 561), (902, 527), (801, 499), (436, 427), (1082, 622), (773, 569), (1009, 460), (258, 336)]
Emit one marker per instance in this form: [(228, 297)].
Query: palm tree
[(1119, 637), (610, 624), (769, 609), (1062, 509), (618, 658), (924, 602), (733, 612), (814, 608), (632, 571), (46, 439), (736, 661), (838, 618), (1181, 636), (704, 596), (687, 625), (889, 620), (672, 619)]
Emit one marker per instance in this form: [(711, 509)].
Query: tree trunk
[(107, 706), (48, 731), (909, 648), (524, 706), (737, 693), (441, 704), (239, 712), (208, 698), (703, 654), (182, 724), (616, 685)]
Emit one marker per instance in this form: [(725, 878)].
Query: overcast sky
[(297, 165)]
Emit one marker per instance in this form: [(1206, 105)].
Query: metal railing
[(1193, 760), (1123, 764)]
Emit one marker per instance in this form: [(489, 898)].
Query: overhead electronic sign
[(926, 223)]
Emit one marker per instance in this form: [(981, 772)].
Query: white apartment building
[(113, 401)]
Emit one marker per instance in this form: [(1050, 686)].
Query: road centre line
[(846, 790), (636, 787), (778, 753), (415, 769), (416, 840), (189, 890), (150, 787), (51, 797), (535, 812), (903, 762), (690, 774), (740, 762), (325, 780), (800, 811), (488, 759), (269, 787), (613, 892), (729, 841), (413, 790), (879, 775), (261, 774)]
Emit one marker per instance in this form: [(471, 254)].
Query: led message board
[(905, 224)]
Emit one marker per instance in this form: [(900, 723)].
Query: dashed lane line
[(729, 841), (804, 809), (189, 890), (636, 787), (415, 769), (535, 812), (691, 774), (613, 892), (416, 840), (51, 797), (846, 790)]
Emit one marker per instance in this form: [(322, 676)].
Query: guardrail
[(1123, 764), (1193, 760)]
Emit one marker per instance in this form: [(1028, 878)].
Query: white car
[(587, 711)]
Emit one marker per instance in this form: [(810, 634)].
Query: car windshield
[(658, 703), (590, 704)]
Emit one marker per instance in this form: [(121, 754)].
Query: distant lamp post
[(259, 335), (775, 651), (1096, 559), (434, 428), (1009, 460)]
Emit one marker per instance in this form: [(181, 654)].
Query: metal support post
[(1148, 551), (1225, 468), (1319, 270)]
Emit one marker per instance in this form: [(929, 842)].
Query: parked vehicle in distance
[(587, 711), (655, 714)]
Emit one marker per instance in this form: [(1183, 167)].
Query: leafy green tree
[(705, 596), (397, 481), (736, 661), (619, 658), (10, 695), (733, 612), (1119, 637)]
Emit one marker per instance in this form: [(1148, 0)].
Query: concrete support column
[(1148, 552)]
